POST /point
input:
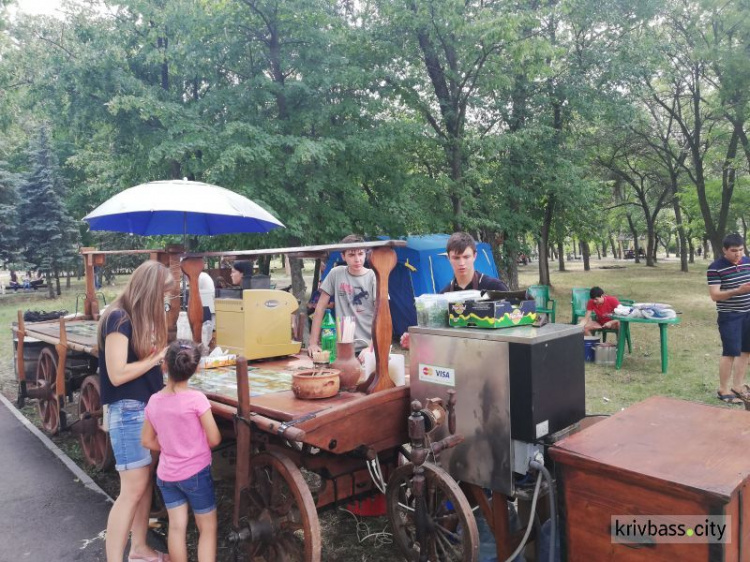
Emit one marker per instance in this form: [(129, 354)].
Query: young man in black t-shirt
[(462, 253)]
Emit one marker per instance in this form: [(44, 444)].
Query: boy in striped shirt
[(729, 287)]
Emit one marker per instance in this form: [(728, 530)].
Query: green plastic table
[(625, 322)]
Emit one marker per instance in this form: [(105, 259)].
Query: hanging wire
[(380, 538)]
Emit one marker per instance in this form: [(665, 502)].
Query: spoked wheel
[(452, 533), (46, 377), (94, 442), (281, 512)]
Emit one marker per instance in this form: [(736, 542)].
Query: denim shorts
[(197, 491), (125, 424), (734, 329)]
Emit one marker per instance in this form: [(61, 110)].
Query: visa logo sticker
[(437, 375)]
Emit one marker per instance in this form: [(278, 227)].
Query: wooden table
[(662, 456), (624, 334)]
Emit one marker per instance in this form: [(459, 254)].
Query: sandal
[(728, 398)]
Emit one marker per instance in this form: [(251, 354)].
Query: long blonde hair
[(142, 300)]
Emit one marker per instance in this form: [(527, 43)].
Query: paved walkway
[(50, 509)]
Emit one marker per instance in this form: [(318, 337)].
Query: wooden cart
[(294, 456)]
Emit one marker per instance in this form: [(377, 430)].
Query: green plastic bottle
[(328, 335)]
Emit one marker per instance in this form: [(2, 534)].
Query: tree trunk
[(50, 288), (585, 255), (615, 253), (543, 262), (509, 265), (316, 275), (560, 256), (544, 242), (683, 239), (650, 244), (264, 265), (634, 233)]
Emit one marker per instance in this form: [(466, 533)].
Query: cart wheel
[(451, 527), (46, 378), (281, 508), (96, 447)]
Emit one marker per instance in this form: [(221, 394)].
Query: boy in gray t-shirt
[(353, 286)]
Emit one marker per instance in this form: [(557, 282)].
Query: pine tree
[(9, 183), (47, 231)]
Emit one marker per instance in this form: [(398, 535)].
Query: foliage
[(394, 117), (9, 183), (47, 236)]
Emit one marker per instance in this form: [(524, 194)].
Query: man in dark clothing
[(729, 287), (462, 253)]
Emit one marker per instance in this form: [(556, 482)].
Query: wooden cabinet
[(659, 457)]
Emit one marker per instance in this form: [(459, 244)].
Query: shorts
[(734, 329), (197, 491), (125, 421)]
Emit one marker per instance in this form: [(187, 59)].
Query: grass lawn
[(694, 345)]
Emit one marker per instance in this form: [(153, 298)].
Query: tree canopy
[(528, 124)]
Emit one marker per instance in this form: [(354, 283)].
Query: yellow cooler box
[(257, 326)]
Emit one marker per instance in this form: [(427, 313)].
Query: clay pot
[(312, 384), (348, 364)]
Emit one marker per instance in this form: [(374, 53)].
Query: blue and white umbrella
[(180, 207)]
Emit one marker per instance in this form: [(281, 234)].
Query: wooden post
[(383, 261), (21, 334), (495, 512), (170, 258), (192, 267), (62, 355), (242, 431), (91, 304)]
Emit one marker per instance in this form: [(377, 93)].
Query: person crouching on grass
[(179, 423)]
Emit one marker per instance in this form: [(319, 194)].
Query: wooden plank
[(592, 499), (298, 251), (80, 335), (376, 420), (304, 251), (20, 334), (286, 406)]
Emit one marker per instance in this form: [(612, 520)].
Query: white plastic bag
[(183, 327), (207, 333)]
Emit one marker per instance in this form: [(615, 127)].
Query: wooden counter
[(659, 457)]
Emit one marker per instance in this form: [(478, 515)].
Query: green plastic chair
[(540, 294), (578, 302)]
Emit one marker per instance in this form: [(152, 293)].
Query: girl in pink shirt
[(179, 423)]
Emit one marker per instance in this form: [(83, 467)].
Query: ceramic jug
[(348, 365)]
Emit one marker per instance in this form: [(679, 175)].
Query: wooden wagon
[(294, 457)]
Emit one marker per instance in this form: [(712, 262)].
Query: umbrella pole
[(183, 292)]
